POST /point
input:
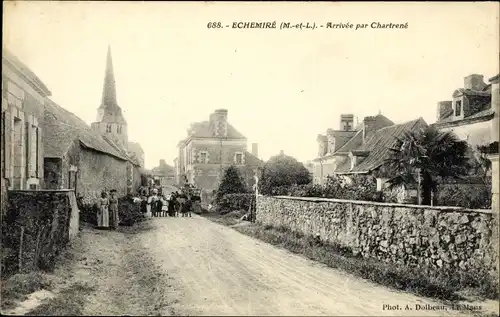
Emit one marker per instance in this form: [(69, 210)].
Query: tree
[(424, 156), (232, 183), (283, 170)]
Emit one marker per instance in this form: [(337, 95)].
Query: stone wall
[(435, 239), (98, 171)]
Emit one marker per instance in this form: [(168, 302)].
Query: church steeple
[(109, 87), (110, 120)]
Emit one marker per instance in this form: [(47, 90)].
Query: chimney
[(474, 82), (322, 144), (368, 127), (255, 150), (163, 162), (218, 119), (282, 152), (347, 122), (444, 108), (330, 136)]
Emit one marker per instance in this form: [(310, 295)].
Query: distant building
[(23, 99), (164, 175), (209, 148), (359, 150), (472, 114)]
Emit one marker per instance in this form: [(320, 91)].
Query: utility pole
[(220, 153)]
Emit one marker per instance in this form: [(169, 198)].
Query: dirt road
[(218, 271)]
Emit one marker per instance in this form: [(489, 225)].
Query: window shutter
[(27, 148), (39, 153)]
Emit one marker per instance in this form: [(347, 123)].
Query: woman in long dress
[(113, 209), (102, 212)]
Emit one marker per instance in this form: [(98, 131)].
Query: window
[(203, 157), (458, 108), (27, 148), (239, 158), (119, 129), (4, 146), (108, 128)]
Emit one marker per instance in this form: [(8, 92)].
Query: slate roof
[(26, 71), (252, 160), (204, 130), (61, 128), (135, 147), (380, 121), (123, 152), (480, 116), (378, 146)]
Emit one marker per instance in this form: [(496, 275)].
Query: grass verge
[(18, 286), (68, 302), (407, 279)]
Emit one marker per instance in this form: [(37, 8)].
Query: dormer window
[(458, 108), (108, 128)]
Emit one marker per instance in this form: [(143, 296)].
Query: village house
[(472, 114), (360, 150), (91, 158), (164, 176), (23, 99), (209, 148)]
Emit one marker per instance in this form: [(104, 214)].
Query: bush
[(232, 183), (232, 202), (358, 188), (129, 212), (282, 171), (473, 196)]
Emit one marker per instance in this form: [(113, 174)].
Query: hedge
[(230, 202)]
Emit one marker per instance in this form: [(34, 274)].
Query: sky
[(281, 87)]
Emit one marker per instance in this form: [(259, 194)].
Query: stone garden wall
[(436, 239)]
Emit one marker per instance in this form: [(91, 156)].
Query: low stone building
[(79, 158), (209, 148), (164, 176), (472, 111), (23, 99)]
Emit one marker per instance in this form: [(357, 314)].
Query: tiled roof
[(30, 75), (378, 145), (61, 128), (494, 78), (470, 92)]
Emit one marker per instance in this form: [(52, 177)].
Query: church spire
[(109, 87)]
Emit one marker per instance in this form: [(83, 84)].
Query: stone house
[(23, 99), (472, 114), (360, 150), (164, 176), (209, 148), (78, 157)]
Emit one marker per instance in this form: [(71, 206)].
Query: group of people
[(171, 205), (107, 210)]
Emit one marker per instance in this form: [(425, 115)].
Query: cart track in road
[(216, 270)]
